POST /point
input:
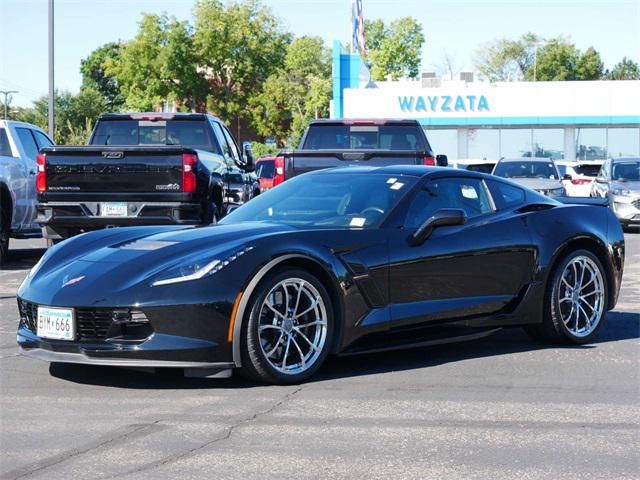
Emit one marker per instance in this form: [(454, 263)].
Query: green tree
[(559, 59), (394, 51), (74, 114), (159, 64), (625, 69), (504, 59), (590, 66), (297, 93), (94, 75), (239, 45)]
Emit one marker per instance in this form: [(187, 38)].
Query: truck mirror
[(442, 160), (249, 162)]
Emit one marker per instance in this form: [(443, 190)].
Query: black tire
[(5, 228), (255, 363), (553, 328)]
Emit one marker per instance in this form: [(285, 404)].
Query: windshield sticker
[(392, 180), (270, 212), (357, 222), (397, 186)]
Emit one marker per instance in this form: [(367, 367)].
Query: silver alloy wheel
[(292, 326), (580, 296)]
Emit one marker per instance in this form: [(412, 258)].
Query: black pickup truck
[(378, 142), (139, 169)]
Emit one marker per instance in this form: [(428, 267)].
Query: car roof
[(527, 159), (156, 116), (625, 159), (364, 121)]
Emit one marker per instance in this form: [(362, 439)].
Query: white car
[(582, 172), (474, 165)]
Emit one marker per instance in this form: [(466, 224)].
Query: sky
[(453, 28)]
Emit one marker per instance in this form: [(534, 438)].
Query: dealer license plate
[(113, 209), (57, 323)]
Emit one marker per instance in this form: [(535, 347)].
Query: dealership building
[(464, 118)]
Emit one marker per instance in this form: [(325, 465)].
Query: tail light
[(580, 181), (278, 178), (428, 160), (189, 161), (41, 175)]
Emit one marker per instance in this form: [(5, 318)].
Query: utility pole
[(52, 124), (7, 99)]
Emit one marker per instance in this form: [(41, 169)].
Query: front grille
[(91, 323), (636, 203)]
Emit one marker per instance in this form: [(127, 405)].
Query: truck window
[(42, 139), (217, 130), (234, 149), (5, 148), (28, 142), (186, 133), (380, 137)]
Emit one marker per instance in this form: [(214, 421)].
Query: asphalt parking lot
[(498, 408)]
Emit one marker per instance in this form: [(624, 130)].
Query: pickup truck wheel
[(5, 223)]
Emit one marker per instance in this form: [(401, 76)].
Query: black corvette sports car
[(337, 261)]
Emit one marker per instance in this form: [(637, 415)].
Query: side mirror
[(249, 162), (440, 218), (566, 176), (442, 160)]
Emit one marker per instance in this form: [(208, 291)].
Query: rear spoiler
[(595, 202)]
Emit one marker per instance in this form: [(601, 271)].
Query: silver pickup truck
[(19, 145)]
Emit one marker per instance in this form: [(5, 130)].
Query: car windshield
[(525, 169), (627, 171), (265, 169), (331, 200)]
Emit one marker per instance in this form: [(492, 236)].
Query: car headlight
[(557, 192), (197, 270), (621, 192)]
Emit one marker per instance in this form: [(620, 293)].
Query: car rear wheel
[(289, 330), (576, 300)]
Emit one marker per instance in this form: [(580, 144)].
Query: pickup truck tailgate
[(114, 170)]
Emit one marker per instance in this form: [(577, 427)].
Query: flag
[(357, 17)]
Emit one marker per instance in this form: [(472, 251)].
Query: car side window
[(217, 130), (42, 140), (28, 142), (467, 194), (232, 145), (5, 148), (505, 195)]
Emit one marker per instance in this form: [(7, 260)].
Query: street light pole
[(6, 94), (52, 124)]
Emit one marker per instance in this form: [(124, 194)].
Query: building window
[(623, 142), (484, 144), (515, 142), (549, 143), (443, 142), (591, 143)]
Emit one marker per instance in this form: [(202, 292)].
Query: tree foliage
[(393, 51), (506, 60), (559, 59), (95, 76), (297, 93), (625, 69)]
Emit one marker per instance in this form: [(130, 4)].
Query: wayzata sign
[(444, 103)]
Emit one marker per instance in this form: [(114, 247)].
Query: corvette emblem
[(66, 281)]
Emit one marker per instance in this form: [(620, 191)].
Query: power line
[(6, 94)]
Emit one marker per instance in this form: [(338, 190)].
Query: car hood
[(538, 183), (83, 269), (631, 186)]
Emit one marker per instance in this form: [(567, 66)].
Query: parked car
[(344, 142), (539, 174), (619, 181), (474, 165), (242, 187), (19, 145), (582, 173), (140, 169), (266, 172), (344, 261)]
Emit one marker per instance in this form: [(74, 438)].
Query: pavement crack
[(131, 431), (226, 435)]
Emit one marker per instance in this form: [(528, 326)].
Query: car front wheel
[(289, 330)]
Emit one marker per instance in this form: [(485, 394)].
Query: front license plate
[(113, 209), (57, 323)]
